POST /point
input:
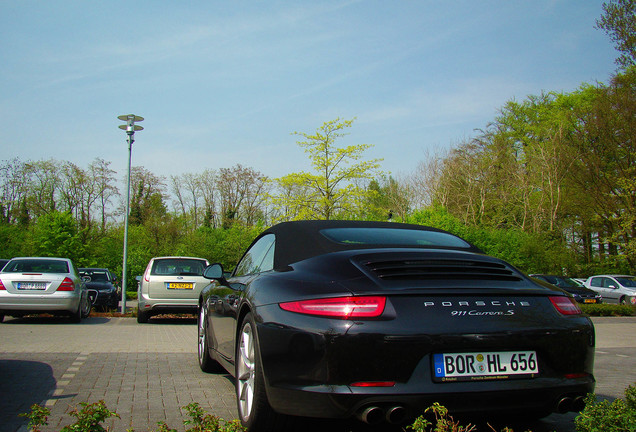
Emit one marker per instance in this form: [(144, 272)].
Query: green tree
[(530, 252), (606, 167), (333, 189), (388, 199), (147, 200), (56, 235), (619, 22), (104, 179)]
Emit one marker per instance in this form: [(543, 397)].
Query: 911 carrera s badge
[(466, 308)]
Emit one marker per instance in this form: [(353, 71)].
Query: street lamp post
[(130, 127)]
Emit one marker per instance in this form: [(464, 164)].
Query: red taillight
[(339, 307), (66, 285), (2, 288), (566, 305), (147, 275), (373, 384), (576, 375)]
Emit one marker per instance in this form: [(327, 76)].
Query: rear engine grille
[(440, 269)]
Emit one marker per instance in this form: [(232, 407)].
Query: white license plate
[(486, 365), (31, 285)]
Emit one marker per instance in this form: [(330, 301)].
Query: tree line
[(549, 184)]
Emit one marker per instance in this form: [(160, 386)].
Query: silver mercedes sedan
[(36, 285)]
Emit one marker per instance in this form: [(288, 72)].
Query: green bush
[(443, 421), (597, 416), (604, 309), (90, 417), (606, 416)]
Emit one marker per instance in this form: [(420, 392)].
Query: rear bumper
[(106, 299), (165, 306), (58, 302), (344, 402)]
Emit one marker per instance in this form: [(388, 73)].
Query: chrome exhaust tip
[(396, 414), (372, 415), (565, 405), (578, 404)]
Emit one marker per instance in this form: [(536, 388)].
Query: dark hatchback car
[(102, 286), (580, 293), (336, 319)]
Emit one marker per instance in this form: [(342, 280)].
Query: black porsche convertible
[(379, 320)]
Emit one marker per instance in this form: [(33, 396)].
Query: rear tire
[(255, 412), (76, 317), (206, 362), (86, 306), (142, 317)]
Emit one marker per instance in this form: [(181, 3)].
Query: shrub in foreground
[(605, 416), (90, 417), (597, 416), (443, 421)]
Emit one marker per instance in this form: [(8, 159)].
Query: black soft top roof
[(299, 240)]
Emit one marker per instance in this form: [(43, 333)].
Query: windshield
[(393, 237), (96, 275), (627, 281), (36, 266), (178, 266), (563, 282)]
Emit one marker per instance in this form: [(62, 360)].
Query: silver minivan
[(170, 284), (614, 288)]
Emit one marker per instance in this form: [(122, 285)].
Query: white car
[(614, 288), (35, 285), (170, 284)]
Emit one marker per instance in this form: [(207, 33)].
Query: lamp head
[(130, 120)]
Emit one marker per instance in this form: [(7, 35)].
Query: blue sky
[(221, 83)]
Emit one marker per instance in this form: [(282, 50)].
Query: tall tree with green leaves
[(334, 186), (619, 22), (106, 189), (56, 235), (606, 168), (390, 199)]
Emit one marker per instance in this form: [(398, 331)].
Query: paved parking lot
[(147, 373)]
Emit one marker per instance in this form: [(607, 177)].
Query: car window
[(607, 282), (259, 258), (177, 267), (96, 275), (38, 266), (627, 281), (596, 282), (564, 282), (393, 236)]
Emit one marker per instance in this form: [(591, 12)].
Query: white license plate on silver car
[(486, 365), (31, 285)]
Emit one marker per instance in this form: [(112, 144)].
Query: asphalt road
[(148, 373)]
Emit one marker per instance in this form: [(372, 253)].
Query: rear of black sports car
[(384, 333)]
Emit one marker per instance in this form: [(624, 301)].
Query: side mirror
[(214, 271), (86, 278)]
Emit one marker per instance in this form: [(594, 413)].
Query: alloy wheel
[(245, 372), (201, 333)]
